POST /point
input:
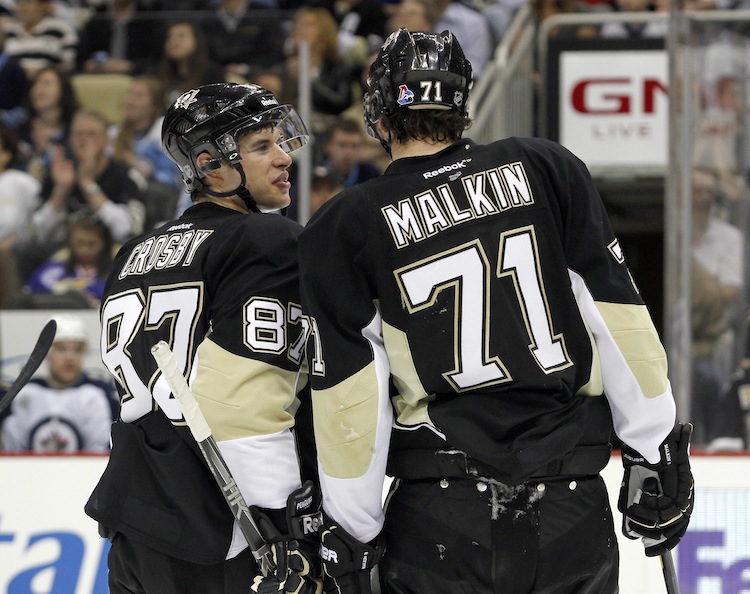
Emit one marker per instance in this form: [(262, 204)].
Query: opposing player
[(472, 306), (220, 286)]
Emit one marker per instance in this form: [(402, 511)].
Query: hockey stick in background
[(210, 450), (39, 352)]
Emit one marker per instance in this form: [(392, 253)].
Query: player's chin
[(283, 199)]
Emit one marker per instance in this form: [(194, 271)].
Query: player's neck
[(417, 148), (231, 202)]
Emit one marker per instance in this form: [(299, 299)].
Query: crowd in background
[(81, 172)]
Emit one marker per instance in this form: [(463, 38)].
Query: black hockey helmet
[(211, 117), (417, 70)]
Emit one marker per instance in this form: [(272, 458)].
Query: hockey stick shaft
[(209, 448), (670, 573), (38, 353)]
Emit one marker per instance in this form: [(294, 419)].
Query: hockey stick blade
[(670, 573), (217, 465), (39, 352)]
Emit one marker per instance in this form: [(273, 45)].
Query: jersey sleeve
[(632, 360), (246, 375), (349, 368)]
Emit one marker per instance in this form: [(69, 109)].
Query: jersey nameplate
[(164, 251), (488, 192)]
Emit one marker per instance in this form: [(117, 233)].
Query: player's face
[(65, 361), (344, 150), (266, 164)]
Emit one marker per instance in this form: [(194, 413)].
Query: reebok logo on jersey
[(181, 227), (445, 168), (405, 95)]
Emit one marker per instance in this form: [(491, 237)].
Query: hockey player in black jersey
[(478, 336), (220, 286)]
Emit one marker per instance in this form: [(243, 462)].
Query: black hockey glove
[(347, 563), (295, 555), (656, 500)]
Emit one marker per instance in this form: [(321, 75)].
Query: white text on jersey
[(164, 251), (488, 192)]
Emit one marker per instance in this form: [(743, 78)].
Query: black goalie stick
[(215, 461), (43, 343)]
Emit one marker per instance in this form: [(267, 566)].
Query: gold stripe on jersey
[(636, 337), (411, 402), (242, 397), (595, 385), (345, 417)]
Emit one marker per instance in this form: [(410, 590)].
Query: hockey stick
[(38, 353), (651, 486), (210, 450), (670, 573)]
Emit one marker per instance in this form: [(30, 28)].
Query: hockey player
[(65, 410), (472, 306), (220, 286)]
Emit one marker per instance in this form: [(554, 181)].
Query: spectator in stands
[(51, 105), (244, 37), (415, 15), (88, 178), (732, 427), (324, 185), (343, 153), (186, 62), (332, 78), (120, 38), (718, 278), (471, 28), (362, 27), (19, 191), (14, 85), (136, 141), (66, 410), (635, 30), (38, 39), (75, 275), (500, 13), (19, 197)]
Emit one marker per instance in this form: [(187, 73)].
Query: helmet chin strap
[(240, 191)]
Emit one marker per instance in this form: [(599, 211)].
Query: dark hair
[(344, 124), (427, 124), (9, 142), (200, 61), (126, 134), (85, 221), (68, 99)]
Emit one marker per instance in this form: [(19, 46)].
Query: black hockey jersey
[(472, 299), (221, 288)]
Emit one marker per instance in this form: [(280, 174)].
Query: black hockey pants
[(135, 568), (469, 535)]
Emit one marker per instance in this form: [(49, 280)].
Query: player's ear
[(209, 166), (382, 128)]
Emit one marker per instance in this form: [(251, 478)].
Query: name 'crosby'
[(164, 251)]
